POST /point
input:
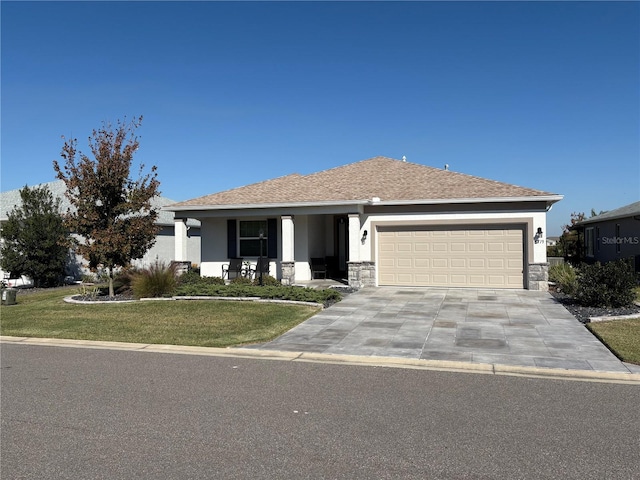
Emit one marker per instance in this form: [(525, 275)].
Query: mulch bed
[(584, 313), (103, 298)]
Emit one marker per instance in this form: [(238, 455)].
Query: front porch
[(288, 243)]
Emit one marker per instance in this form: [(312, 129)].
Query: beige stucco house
[(378, 222)]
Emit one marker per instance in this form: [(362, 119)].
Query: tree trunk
[(111, 292)]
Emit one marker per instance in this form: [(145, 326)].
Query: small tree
[(35, 240), (571, 240), (113, 213)]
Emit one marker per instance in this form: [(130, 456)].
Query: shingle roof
[(631, 210), (11, 198), (386, 178)]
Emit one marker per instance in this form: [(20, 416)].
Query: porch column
[(288, 242), (180, 239), (354, 237), (288, 238)]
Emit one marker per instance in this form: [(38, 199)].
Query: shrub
[(193, 278), (267, 280), (158, 280), (240, 281), (609, 285), (122, 280), (280, 292), (564, 275)]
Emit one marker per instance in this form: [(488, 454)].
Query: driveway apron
[(509, 327)]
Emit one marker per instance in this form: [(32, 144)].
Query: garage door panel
[(459, 256), (386, 263), (495, 247), (439, 247), (421, 247), (513, 264), (439, 263), (404, 247), (387, 247), (405, 263), (476, 247), (495, 263), (421, 263), (387, 279), (514, 281), (458, 247), (439, 279), (458, 280), (514, 247), (477, 263), (476, 280), (497, 280), (405, 278)]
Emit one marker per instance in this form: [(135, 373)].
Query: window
[(589, 237), (618, 238), (249, 238)]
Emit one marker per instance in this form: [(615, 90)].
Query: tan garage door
[(451, 257)]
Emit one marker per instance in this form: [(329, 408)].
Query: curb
[(613, 317), (389, 362), (69, 299)]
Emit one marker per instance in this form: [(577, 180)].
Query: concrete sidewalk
[(500, 327)]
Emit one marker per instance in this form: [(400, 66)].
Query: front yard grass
[(622, 337), (207, 323)]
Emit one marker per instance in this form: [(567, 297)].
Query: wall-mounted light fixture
[(364, 236), (537, 238)]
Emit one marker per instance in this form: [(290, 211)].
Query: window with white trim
[(249, 238)]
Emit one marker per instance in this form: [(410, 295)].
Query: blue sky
[(539, 94)]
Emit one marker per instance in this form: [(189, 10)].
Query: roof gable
[(385, 178)]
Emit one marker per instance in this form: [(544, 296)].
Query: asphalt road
[(98, 414)]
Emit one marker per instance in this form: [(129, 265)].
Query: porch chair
[(258, 267), (233, 269), (318, 267)]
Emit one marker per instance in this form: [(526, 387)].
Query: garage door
[(451, 257)]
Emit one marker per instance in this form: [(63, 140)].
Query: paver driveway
[(509, 327)]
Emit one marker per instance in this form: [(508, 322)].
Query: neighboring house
[(612, 235), (380, 222), (163, 250), (552, 241)]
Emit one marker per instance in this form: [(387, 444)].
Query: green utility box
[(9, 296)]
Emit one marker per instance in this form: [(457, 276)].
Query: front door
[(342, 244)]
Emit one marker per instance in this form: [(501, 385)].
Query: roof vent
[(404, 159), (446, 166)]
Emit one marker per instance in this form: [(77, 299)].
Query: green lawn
[(621, 336), (207, 323)]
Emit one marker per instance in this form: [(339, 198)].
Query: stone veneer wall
[(288, 273), (362, 274), (538, 276)]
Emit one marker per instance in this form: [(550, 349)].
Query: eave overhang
[(548, 199)]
